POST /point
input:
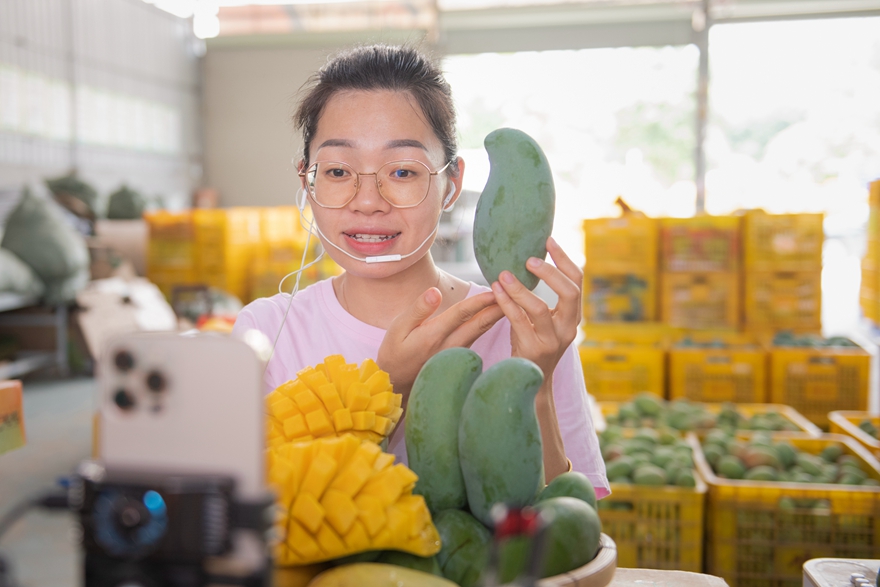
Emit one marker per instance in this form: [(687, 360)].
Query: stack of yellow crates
[(280, 252), (623, 350), (783, 272), (224, 240), (244, 251), (171, 249), (699, 264), (620, 276), (870, 294)]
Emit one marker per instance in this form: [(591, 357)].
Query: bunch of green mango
[(472, 437), (789, 339), (648, 410), (868, 427), (761, 458), (652, 411), (647, 457)]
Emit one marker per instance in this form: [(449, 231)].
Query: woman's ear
[(455, 186), (302, 193)]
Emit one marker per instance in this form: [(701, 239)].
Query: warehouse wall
[(249, 139), (109, 87), (249, 97)]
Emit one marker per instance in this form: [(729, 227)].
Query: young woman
[(379, 167)]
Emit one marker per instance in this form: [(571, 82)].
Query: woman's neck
[(378, 301)]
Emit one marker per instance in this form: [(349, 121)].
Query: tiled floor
[(58, 417)]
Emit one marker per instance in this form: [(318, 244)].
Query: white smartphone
[(174, 403)]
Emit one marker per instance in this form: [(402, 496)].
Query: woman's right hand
[(416, 334)]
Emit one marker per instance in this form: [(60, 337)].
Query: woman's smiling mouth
[(370, 238)]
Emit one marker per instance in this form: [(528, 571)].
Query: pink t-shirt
[(317, 326)]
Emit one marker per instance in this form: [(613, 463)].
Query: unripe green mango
[(515, 211), (432, 419), (499, 441), (465, 545)]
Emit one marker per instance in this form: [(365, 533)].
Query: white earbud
[(446, 205)]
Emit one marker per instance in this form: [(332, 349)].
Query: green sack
[(125, 204), (38, 234), (72, 185), (17, 277)]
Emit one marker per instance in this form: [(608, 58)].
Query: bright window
[(795, 118), (795, 127), (613, 122)]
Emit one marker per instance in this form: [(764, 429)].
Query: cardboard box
[(12, 434)]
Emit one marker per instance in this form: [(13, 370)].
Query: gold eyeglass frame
[(375, 175)]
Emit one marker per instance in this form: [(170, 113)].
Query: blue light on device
[(154, 502)]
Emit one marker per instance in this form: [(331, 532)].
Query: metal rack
[(29, 361)]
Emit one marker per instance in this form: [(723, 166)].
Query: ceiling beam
[(572, 25)]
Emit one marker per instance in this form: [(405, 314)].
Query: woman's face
[(367, 129)]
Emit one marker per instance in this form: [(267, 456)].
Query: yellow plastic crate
[(870, 274), (656, 527), (650, 333), (868, 295), (872, 251), (847, 423), (227, 226), (224, 241), (752, 542), (170, 244), (783, 242), (626, 244), (783, 300), (734, 373), (167, 225), (700, 300), (608, 408), (816, 381), (870, 307), (280, 224), (167, 279), (273, 261), (617, 372), (701, 243), (620, 297)]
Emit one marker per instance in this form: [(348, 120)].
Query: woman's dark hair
[(381, 67)]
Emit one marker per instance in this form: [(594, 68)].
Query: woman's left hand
[(537, 332)]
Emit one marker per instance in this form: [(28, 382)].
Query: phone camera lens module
[(156, 381), (123, 399), (124, 361)]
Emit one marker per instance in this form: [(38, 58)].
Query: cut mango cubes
[(343, 495), (334, 398)]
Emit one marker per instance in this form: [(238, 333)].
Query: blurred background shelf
[(56, 318), (27, 362)]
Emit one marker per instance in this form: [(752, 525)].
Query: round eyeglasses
[(403, 184)]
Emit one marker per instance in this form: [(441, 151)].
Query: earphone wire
[(298, 272)]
